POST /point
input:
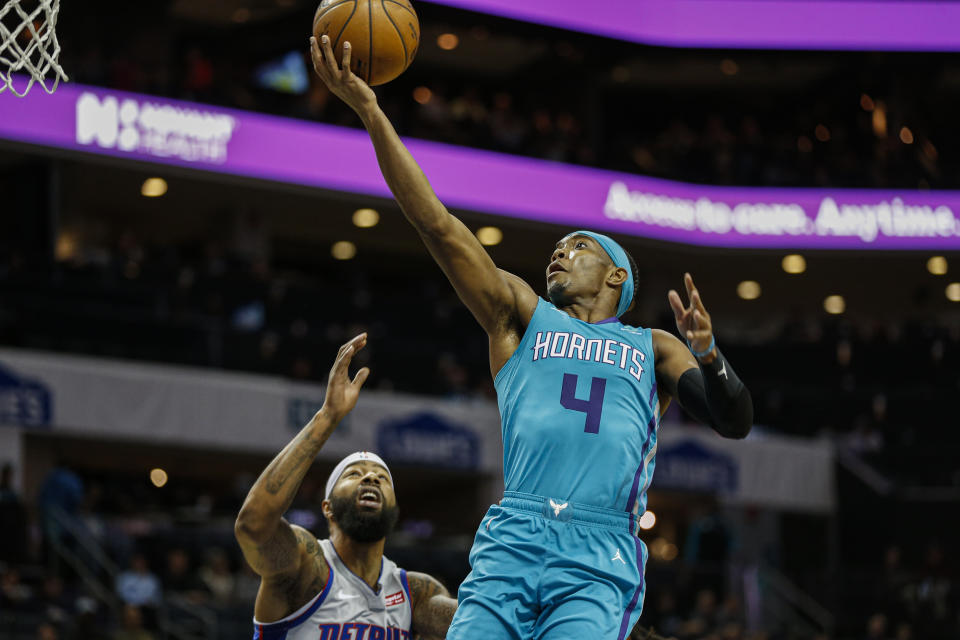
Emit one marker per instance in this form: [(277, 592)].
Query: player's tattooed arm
[(433, 608), (269, 543)]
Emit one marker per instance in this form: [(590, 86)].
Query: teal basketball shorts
[(545, 570)]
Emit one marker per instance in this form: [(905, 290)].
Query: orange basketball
[(384, 35)]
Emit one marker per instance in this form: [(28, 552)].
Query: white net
[(28, 45)]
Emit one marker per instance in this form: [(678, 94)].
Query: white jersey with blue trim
[(347, 608)]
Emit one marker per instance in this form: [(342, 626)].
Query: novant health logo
[(154, 128)]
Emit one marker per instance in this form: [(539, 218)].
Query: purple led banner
[(894, 25), (162, 131)]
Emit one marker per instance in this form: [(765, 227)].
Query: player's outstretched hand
[(693, 322), (342, 393), (342, 82)]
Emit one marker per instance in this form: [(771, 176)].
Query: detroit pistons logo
[(361, 631)]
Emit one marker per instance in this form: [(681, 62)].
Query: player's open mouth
[(554, 267), (369, 498)]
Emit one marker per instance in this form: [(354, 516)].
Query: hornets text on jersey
[(579, 411)]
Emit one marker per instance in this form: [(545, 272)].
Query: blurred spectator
[(904, 632), (13, 593), (665, 617), (132, 626), (894, 581), (931, 599), (48, 631), (251, 238), (138, 586), (59, 502), (56, 605), (13, 515), (877, 627), (180, 579), (704, 615), (216, 575), (199, 77)]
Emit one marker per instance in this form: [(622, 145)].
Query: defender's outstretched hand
[(342, 393), (693, 322), (342, 82)]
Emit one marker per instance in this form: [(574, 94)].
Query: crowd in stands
[(222, 304), (842, 128), (168, 572)]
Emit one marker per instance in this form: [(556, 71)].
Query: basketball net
[(28, 44)]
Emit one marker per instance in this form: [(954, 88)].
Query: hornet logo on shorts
[(154, 128)]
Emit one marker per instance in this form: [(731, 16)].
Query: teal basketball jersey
[(579, 412)]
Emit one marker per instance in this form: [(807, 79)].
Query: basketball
[(384, 35)]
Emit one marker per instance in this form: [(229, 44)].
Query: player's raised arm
[(697, 374), (488, 295), (279, 553)]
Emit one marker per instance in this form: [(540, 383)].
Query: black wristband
[(725, 403), (718, 368)]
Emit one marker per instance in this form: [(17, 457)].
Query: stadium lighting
[(343, 250), (158, 477), (422, 95), (489, 236), (66, 246), (794, 263), (647, 520), (448, 41), (879, 120), (663, 549), (822, 133), (835, 305), (906, 136), (366, 218), (748, 290), (937, 265), (953, 292), (153, 188), (866, 102)]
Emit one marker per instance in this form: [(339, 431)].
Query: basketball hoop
[(28, 44)]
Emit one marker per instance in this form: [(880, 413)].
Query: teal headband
[(620, 259)]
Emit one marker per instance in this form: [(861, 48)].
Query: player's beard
[(557, 292), (363, 526)]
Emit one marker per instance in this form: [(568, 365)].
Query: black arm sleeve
[(715, 396)]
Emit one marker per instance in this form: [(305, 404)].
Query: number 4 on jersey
[(593, 406)]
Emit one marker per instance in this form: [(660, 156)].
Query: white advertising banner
[(789, 473), (221, 410), (217, 409)]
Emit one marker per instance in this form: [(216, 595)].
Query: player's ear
[(617, 277), (327, 508)]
